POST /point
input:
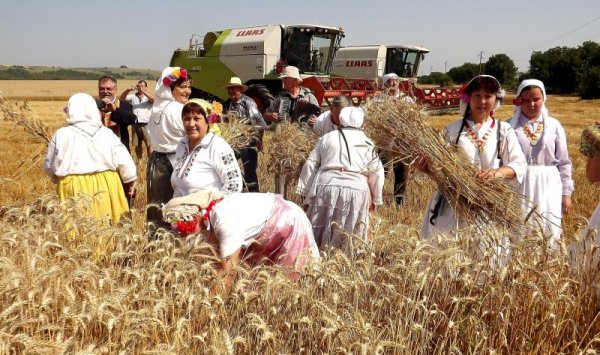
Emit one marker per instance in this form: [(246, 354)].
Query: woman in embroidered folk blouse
[(342, 180), (488, 143), (204, 160), (547, 184)]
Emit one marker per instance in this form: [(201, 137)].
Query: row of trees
[(564, 70), (17, 72)]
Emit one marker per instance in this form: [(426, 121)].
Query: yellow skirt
[(103, 190)]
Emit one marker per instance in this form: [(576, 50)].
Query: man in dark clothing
[(296, 104), (116, 115), (243, 106)]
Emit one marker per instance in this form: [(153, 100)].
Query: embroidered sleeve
[(229, 171)]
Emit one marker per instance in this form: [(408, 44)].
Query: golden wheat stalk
[(401, 131), (290, 146)]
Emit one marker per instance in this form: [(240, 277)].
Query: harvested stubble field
[(397, 296)]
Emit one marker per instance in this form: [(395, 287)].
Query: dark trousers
[(400, 175), (158, 186), (249, 157)]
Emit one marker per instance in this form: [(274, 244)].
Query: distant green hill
[(18, 72)]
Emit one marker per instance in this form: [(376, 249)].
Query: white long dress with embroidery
[(512, 156)]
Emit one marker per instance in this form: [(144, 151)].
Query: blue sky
[(143, 34)]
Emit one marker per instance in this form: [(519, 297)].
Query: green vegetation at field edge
[(18, 72)]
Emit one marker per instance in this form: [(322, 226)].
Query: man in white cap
[(391, 82), (243, 106), (296, 103)]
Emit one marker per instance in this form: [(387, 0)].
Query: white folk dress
[(340, 188), (266, 227), (211, 165), (548, 175), (512, 156)]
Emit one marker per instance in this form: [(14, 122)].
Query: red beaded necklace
[(535, 136), (480, 143)]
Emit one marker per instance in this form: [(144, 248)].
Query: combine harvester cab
[(257, 55), (370, 63)]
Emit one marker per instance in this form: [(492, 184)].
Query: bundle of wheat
[(238, 132), (289, 147), (401, 131)]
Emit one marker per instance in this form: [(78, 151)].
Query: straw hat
[(291, 72), (236, 82)]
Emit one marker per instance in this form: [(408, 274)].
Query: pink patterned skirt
[(287, 239)]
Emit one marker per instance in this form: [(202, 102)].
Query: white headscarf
[(82, 108), (523, 85), (162, 94), (499, 96), (352, 117), (389, 76)]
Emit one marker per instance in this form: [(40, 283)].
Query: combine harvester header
[(357, 73)]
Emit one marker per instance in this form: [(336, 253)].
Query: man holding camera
[(116, 115), (141, 101)]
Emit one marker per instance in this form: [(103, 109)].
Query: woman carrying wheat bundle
[(547, 184), (342, 181), (491, 145)]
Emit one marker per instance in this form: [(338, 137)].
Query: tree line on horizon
[(18, 72), (564, 71)]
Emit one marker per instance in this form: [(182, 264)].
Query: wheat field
[(397, 295)]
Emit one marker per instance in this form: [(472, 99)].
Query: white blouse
[(239, 218), (166, 128), (82, 148), (323, 124), (330, 153), (511, 153), (550, 149), (211, 165)]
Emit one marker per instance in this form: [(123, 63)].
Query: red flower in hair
[(464, 96), (517, 101), (213, 118), (186, 228)]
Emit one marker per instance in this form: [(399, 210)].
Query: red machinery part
[(359, 90)]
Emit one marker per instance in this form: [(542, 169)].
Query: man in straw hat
[(296, 103), (243, 106)]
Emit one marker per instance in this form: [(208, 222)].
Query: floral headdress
[(176, 74), (215, 112), (184, 213)]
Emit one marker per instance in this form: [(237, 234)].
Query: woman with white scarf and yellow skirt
[(86, 158), (547, 184)]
